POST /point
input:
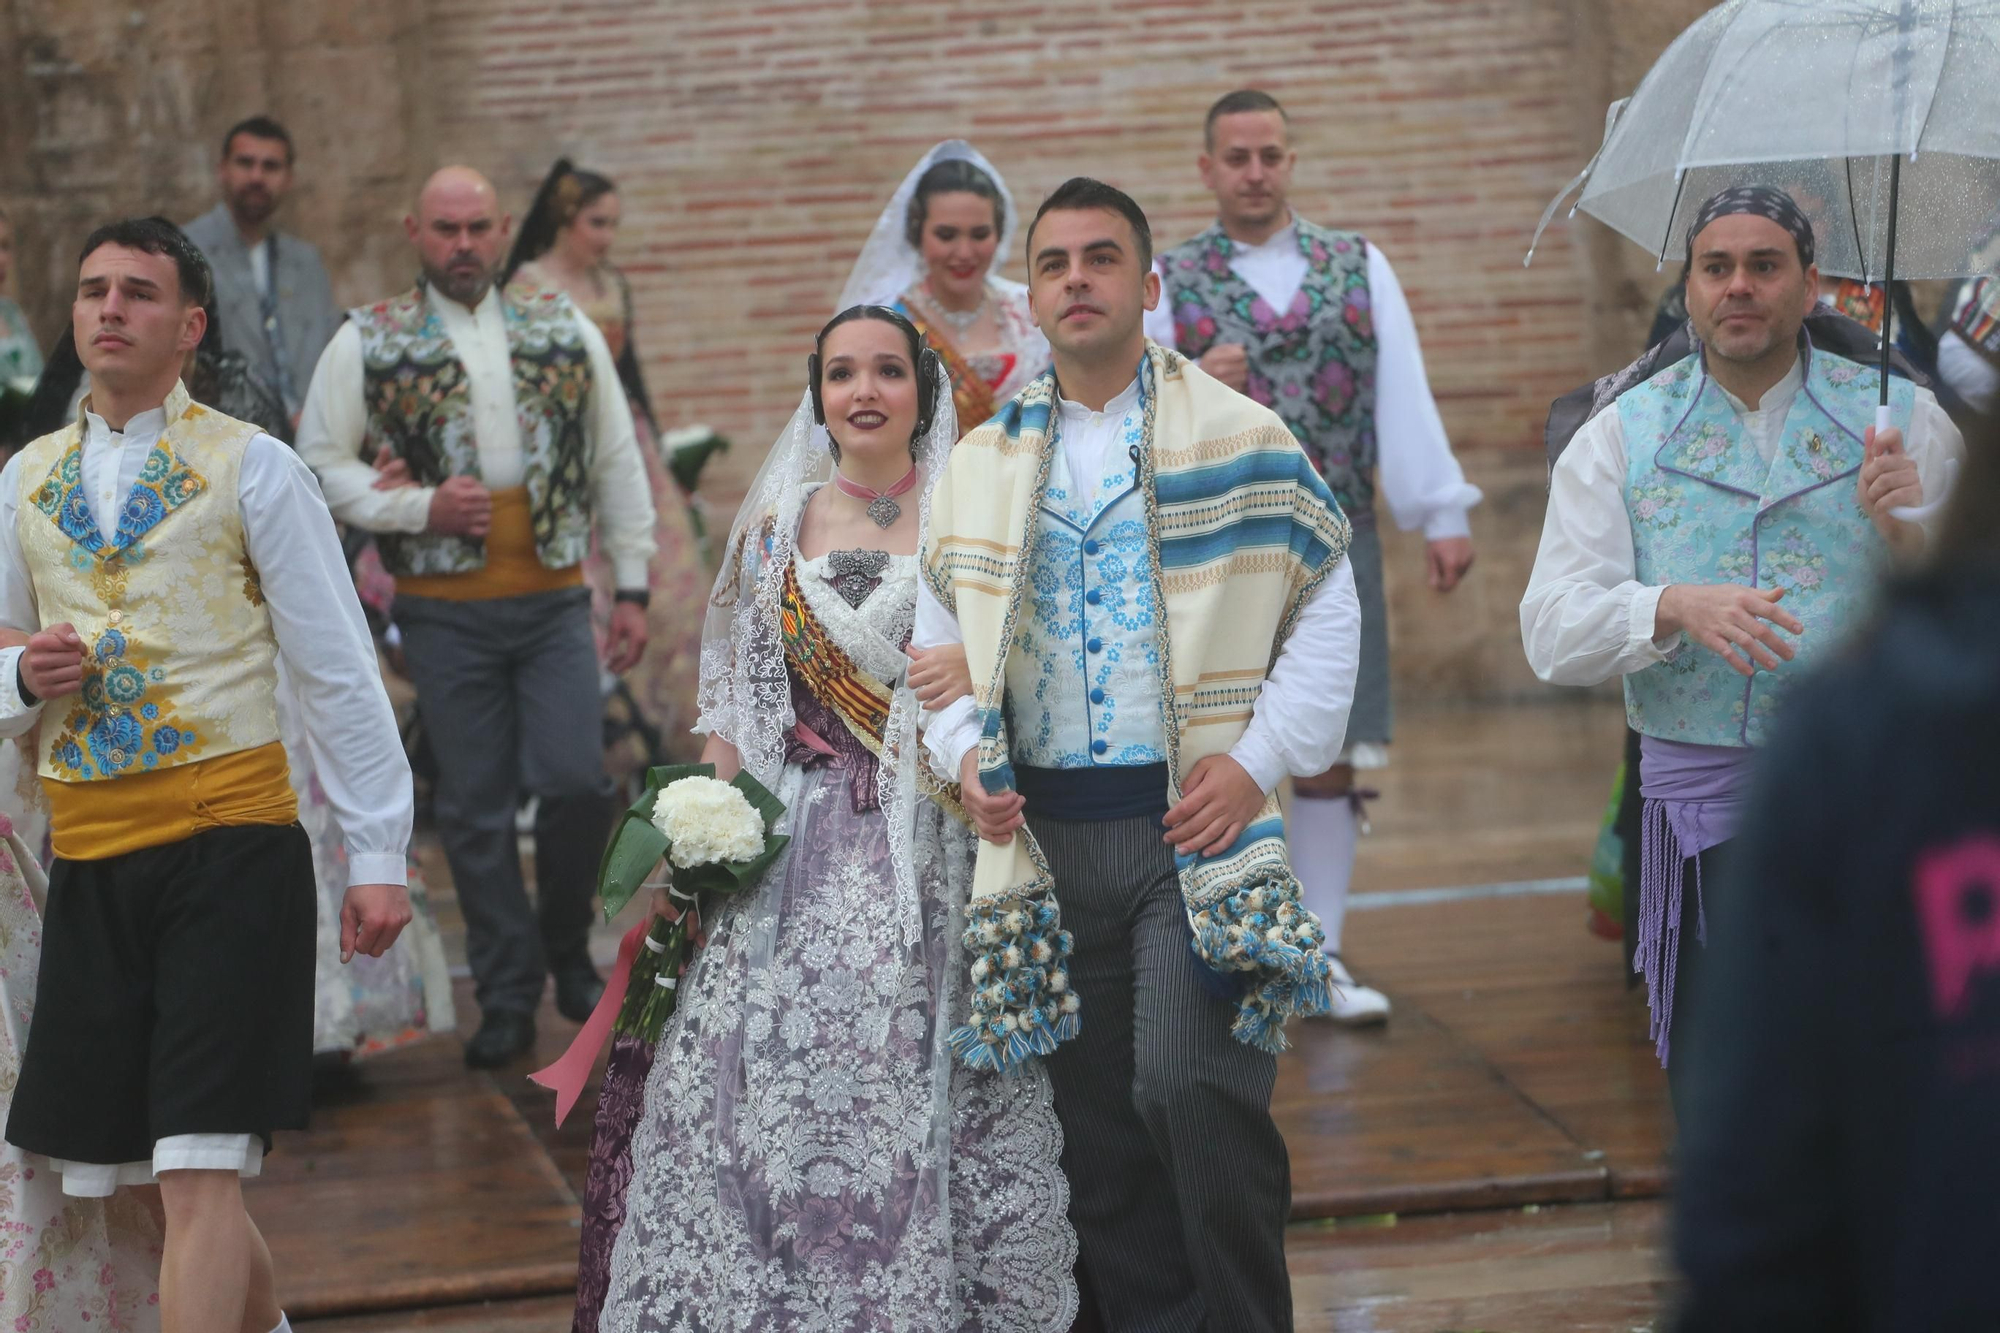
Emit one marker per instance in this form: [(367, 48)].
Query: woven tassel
[(1022, 1005)]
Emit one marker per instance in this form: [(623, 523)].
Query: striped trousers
[(1179, 1181)]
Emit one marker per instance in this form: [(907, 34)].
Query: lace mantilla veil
[(889, 265), (744, 695)]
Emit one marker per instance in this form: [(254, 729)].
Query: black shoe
[(503, 1034), (578, 989)]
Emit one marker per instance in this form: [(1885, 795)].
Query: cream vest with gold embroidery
[(179, 656)]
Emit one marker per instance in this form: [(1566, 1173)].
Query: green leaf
[(761, 800), (635, 849)]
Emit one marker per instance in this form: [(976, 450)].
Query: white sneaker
[(1354, 1005)]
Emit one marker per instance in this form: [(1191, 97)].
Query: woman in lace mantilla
[(565, 245), (803, 1151), (935, 256)]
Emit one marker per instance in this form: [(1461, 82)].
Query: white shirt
[(323, 641), (1420, 479), (1970, 373), (1299, 720), (335, 423), (1586, 617), (260, 266)]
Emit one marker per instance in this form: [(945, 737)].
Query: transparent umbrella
[(1881, 117)]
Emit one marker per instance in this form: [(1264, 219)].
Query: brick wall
[(755, 141)]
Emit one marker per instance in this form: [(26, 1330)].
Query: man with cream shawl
[(1126, 533)]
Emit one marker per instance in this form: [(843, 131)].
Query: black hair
[(259, 127), (951, 176), (157, 236), (1233, 104), (923, 364), (565, 192), (1081, 192)]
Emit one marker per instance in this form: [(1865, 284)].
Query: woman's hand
[(940, 675)]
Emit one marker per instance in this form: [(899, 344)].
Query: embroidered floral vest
[(1312, 363), (179, 657), (1083, 684), (1706, 508), (420, 406)]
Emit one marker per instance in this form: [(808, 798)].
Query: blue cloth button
[(1093, 597), (1090, 547), (1095, 645), (1097, 696), (1098, 747)]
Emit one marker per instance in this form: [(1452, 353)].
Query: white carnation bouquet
[(719, 837)]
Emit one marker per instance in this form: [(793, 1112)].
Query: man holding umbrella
[(1714, 532)]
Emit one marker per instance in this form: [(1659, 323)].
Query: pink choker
[(882, 506)]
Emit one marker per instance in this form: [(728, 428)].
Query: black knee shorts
[(175, 997)]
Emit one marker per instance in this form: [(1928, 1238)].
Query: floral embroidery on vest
[(419, 407), (1706, 507), (1313, 363), (165, 483)]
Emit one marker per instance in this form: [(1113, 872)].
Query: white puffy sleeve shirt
[(1420, 479), (1586, 618), (323, 641), (335, 422)]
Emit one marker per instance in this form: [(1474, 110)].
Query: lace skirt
[(808, 1155)]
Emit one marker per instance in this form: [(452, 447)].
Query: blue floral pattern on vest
[(1083, 676), (1706, 508)]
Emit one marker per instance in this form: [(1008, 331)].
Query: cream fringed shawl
[(1241, 531)]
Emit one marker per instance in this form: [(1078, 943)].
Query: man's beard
[(252, 208), (465, 288)]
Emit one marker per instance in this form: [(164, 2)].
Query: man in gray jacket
[(275, 304)]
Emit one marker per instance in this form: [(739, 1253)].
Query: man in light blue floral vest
[(1311, 322), (1709, 535)]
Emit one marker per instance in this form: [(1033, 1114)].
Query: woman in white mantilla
[(935, 256), (807, 1153)]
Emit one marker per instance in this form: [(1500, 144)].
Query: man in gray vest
[(272, 296), (1311, 323)]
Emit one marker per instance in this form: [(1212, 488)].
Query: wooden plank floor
[(1516, 1070), (418, 1183), (1586, 1268)]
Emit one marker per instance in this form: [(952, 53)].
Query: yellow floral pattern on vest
[(178, 649)]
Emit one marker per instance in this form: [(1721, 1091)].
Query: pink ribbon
[(812, 740), (568, 1075)]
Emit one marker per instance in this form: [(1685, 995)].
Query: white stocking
[(1322, 834)]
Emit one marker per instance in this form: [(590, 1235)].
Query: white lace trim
[(872, 634)]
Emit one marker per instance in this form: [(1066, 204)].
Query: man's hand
[(1889, 481), (52, 663), (939, 675), (1445, 561), (462, 506), (1724, 617), (625, 640), (995, 817), (1230, 363), (392, 473), (371, 917), (1217, 804)]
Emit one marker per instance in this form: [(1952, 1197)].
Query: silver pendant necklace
[(959, 321)]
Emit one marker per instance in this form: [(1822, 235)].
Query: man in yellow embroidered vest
[(164, 557), (1151, 584), (508, 413)]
